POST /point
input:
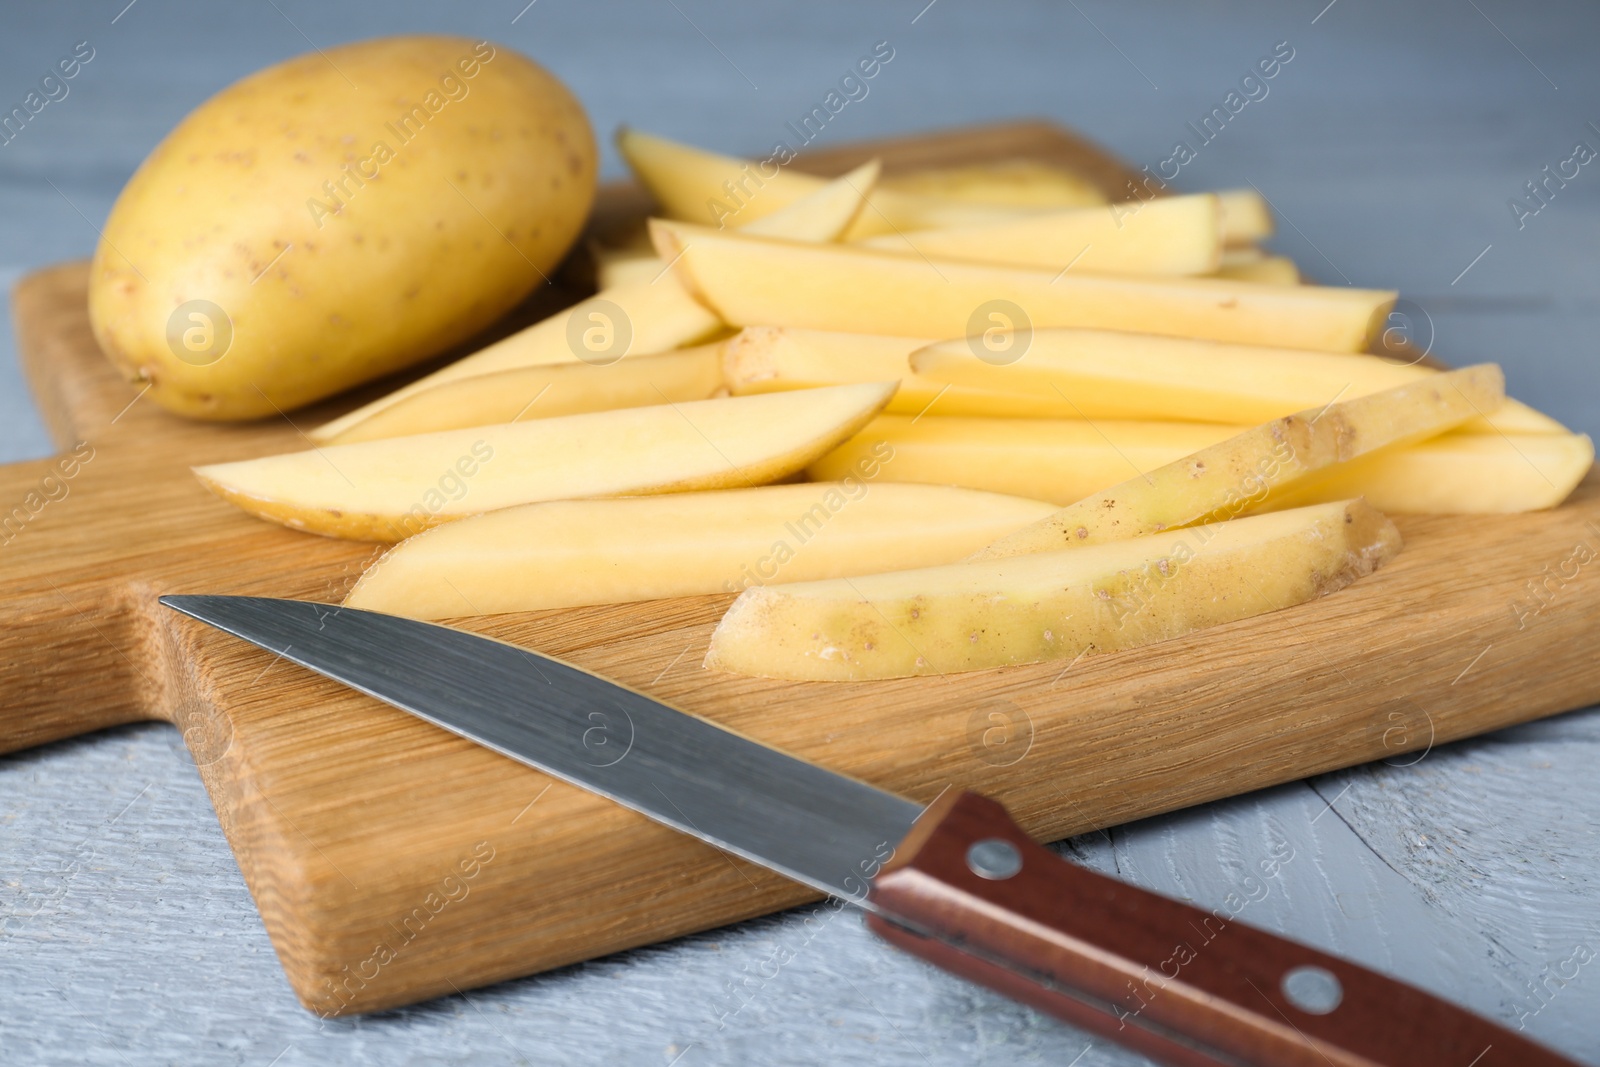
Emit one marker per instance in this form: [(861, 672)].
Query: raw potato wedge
[(614, 271), (569, 553), (1063, 461), (822, 216), (1173, 235), (1050, 605), (1236, 476), (388, 490), (764, 359), (825, 213), (1025, 183), (547, 392), (888, 211), (687, 182), (1268, 270), (1107, 374), (1234, 255), (1059, 460), (716, 190), (762, 282), (1477, 474), (1246, 216), (641, 316)]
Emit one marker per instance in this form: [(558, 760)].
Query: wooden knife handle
[(969, 891)]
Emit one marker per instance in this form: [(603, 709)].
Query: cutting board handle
[(969, 891), (77, 647)]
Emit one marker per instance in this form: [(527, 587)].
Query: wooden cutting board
[(393, 861)]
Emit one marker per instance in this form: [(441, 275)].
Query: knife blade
[(957, 882)]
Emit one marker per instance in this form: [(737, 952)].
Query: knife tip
[(193, 605)]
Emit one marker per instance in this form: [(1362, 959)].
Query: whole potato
[(337, 217)]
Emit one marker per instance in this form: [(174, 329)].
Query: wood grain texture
[(354, 824)]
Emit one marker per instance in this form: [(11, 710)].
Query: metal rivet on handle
[(994, 859), (1313, 990)]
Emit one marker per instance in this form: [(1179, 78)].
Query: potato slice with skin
[(1178, 235), (547, 392), (641, 316), (570, 553), (764, 359), (387, 490), (1107, 374), (1050, 605), (1246, 216), (1236, 476), (763, 282), (1064, 460)]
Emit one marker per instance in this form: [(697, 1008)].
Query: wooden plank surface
[(352, 822)]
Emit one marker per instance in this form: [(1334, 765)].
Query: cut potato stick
[(547, 392), (1059, 460), (716, 190), (1267, 270), (1238, 475), (822, 216), (690, 183), (1479, 474), (642, 316), (764, 359), (1232, 255), (387, 490), (639, 317), (1025, 183), (1173, 235), (888, 211), (1107, 374), (762, 282), (1246, 216), (614, 271), (570, 553), (1050, 605), (1063, 461)]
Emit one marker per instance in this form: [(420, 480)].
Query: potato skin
[(350, 214)]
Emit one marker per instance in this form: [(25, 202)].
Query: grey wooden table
[(1390, 145)]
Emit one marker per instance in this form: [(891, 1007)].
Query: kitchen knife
[(957, 882)]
